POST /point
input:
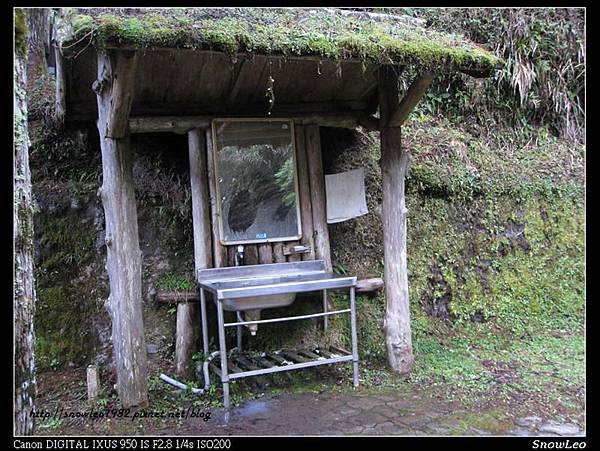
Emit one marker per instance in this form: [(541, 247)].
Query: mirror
[(255, 170)]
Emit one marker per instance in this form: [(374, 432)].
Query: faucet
[(239, 256)]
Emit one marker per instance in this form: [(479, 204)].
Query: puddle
[(252, 408)]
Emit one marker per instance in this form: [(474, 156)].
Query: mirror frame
[(219, 207)]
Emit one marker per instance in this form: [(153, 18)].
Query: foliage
[(64, 156), (284, 178), (41, 97), (21, 32), (543, 79), (175, 282), (495, 227), (468, 162), (325, 33)]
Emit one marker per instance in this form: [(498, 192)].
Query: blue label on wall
[(261, 236)]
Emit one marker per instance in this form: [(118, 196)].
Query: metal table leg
[(325, 310), (354, 337), (223, 352), (204, 338)]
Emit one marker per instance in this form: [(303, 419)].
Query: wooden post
[(187, 312), (92, 383), (278, 255), (317, 193), (124, 259), (60, 102), (25, 385), (394, 164), (219, 250), (304, 194), (265, 253), (251, 254)]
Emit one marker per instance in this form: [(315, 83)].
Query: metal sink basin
[(256, 287)]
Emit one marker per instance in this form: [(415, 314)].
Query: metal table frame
[(320, 284)]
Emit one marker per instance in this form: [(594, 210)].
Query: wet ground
[(364, 413)]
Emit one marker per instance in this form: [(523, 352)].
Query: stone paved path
[(363, 413)]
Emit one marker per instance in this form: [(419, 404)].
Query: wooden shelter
[(140, 71)]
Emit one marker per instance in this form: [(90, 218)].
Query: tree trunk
[(187, 313), (394, 164), (39, 33), (317, 192), (123, 259), (24, 283), (306, 219)]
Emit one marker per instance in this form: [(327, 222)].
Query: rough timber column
[(186, 312), (114, 90), (317, 193), (394, 164)]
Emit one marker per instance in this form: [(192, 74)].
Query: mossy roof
[(325, 33)]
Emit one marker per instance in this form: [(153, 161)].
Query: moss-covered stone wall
[(495, 229), (71, 322)]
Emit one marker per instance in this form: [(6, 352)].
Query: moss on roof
[(321, 32)]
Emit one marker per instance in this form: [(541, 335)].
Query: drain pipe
[(252, 314), (182, 386)]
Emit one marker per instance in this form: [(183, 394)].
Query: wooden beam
[(117, 78), (124, 257), (317, 194), (368, 122), (176, 124), (369, 285), (169, 297), (410, 100), (394, 165), (340, 120), (240, 109), (183, 124)]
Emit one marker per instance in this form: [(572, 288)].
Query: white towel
[(345, 195)]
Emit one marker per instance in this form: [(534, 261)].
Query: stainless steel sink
[(256, 287)]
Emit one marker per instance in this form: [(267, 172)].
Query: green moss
[(25, 213), (175, 282), (21, 32), (82, 24), (287, 32), (495, 232), (66, 303)]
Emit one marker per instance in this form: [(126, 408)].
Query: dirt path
[(363, 413)]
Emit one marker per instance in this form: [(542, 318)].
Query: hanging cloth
[(345, 194)]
